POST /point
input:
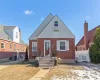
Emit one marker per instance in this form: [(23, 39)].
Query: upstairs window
[(2, 45), (56, 23), (16, 35)]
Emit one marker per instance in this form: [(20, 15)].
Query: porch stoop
[(46, 62)]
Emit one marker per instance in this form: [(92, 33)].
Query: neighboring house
[(86, 41), (11, 42), (52, 36)]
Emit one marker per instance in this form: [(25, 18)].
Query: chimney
[(86, 35)]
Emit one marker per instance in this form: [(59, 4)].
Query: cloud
[(87, 17), (29, 12), (42, 18)]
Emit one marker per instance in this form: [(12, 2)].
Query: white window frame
[(10, 45), (4, 45), (66, 45), (35, 45)]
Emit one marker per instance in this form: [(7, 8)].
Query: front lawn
[(18, 72), (72, 72)]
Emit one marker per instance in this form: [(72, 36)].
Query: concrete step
[(45, 58), (46, 62), (46, 65)]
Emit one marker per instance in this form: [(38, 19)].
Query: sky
[(29, 14)]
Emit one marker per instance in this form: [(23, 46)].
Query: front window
[(62, 45), (34, 46), (2, 45), (56, 23)]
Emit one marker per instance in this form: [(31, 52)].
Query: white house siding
[(82, 56), (14, 35), (51, 31)]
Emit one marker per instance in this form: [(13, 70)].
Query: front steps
[(46, 62)]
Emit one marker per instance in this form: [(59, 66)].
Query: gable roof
[(48, 31), (4, 35), (41, 27), (9, 27), (90, 36)]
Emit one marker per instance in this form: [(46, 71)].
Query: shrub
[(94, 50), (54, 53)]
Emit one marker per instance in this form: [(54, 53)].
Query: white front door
[(47, 47)]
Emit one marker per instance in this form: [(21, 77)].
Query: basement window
[(2, 45)]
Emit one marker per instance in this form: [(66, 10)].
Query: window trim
[(4, 45), (58, 45), (32, 46)]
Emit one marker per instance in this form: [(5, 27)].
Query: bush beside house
[(94, 50)]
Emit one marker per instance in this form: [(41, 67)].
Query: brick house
[(52, 35), (11, 42), (86, 41)]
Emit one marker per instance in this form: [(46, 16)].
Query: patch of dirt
[(63, 71), (18, 72)]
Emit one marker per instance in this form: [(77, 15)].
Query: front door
[(47, 47)]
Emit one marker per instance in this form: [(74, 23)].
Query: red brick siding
[(8, 49), (62, 54), (30, 48), (9, 54)]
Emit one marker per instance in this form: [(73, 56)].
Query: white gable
[(41, 27), (16, 37), (50, 31)]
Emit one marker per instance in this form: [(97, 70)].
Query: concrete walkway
[(40, 74)]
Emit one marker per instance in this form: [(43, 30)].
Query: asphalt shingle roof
[(90, 36), (4, 35), (9, 27), (41, 27)]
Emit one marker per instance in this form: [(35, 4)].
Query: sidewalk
[(40, 74), (11, 62), (3, 66), (6, 64)]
